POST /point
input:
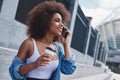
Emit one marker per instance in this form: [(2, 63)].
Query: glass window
[(1, 1), (79, 36), (24, 7)]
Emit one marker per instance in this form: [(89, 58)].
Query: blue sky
[(89, 3), (98, 9)]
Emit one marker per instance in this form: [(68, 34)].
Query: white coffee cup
[(50, 51)]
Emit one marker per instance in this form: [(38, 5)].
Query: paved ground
[(103, 76), (5, 61), (115, 76)]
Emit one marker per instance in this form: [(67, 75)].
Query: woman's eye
[(57, 20)]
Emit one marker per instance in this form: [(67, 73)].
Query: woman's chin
[(59, 34)]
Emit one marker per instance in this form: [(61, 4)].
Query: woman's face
[(56, 25)]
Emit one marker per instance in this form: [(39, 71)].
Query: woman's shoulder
[(27, 42), (25, 48)]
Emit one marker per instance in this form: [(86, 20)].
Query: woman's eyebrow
[(58, 18)]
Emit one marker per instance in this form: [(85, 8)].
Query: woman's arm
[(24, 52), (14, 68), (66, 43), (68, 65), (19, 68)]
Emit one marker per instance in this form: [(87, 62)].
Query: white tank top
[(42, 72)]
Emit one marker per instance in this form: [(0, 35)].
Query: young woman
[(44, 28)]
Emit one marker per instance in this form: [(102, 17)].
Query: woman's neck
[(48, 39)]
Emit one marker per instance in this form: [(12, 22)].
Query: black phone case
[(64, 32)]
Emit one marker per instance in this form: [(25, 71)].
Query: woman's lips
[(60, 30)]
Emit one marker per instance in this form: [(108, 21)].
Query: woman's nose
[(61, 24)]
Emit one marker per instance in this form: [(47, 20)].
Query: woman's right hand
[(43, 60)]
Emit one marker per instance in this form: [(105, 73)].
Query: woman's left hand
[(66, 40), (66, 44)]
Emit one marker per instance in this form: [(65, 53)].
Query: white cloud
[(109, 4), (98, 14)]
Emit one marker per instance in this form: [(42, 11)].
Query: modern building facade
[(110, 35)]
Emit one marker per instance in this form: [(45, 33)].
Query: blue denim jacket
[(66, 66)]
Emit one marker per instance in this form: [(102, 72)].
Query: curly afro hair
[(39, 18)]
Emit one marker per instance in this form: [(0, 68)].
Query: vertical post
[(87, 44), (1, 2), (8, 10), (73, 18), (95, 50), (113, 34)]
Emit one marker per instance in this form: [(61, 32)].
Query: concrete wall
[(80, 57), (6, 56), (12, 33)]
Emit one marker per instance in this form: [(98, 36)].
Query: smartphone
[(64, 32), (50, 51)]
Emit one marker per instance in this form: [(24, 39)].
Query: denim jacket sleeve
[(68, 65), (14, 69)]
